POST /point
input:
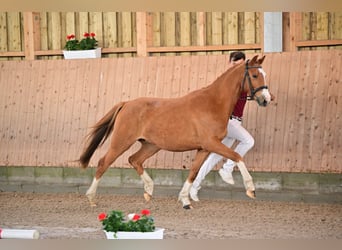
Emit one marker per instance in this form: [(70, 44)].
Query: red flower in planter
[(145, 212), (136, 217), (88, 42), (102, 216)]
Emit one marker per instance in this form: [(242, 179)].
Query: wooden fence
[(42, 35), (47, 106)]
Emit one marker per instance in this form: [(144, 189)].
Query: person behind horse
[(235, 132)]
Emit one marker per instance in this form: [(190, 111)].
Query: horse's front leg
[(223, 150), (197, 163), (247, 180)]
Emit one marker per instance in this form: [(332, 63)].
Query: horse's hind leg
[(137, 159), (103, 165), (197, 163)]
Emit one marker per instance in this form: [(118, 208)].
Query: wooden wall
[(47, 106)]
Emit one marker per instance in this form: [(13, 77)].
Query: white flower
[(130, 216)]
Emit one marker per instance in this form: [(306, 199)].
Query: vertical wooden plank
[(14, 36), (54, 32), (200, 28), (306, 34), (3, 33), (232, 33), (156, 26), (70, 20), (323, 27), (249, 27), (336, 22), (169, 29), (110, 31), (83, 24), (141, 33), (286, 35), (43, 32), (259, 30), (126, 31), (149, 29), (96, 26), (216, 30), (29, 36), (185, 33)]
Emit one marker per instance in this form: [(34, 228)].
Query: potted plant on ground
[(134, 226), (85, 48)]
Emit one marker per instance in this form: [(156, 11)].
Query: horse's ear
[(252, 62), (261, 60)]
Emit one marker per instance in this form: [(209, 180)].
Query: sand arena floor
[(67, 216)]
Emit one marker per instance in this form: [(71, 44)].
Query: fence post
[(295, 29)]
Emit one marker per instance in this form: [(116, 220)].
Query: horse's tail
[(99, 134)]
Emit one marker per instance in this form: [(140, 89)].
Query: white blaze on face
[(265, 93)]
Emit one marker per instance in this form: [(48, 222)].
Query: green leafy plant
[(88, 42), (116, 221)]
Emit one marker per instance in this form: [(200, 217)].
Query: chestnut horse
[(196, 121)]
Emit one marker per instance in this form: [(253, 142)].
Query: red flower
[(86, 34), (69, 37), (136, 217), (145, 212), (102, 216), (92, 34)]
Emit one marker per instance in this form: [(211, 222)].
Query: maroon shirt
[(240, 105)]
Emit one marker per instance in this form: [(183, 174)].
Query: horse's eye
[(254, 76)]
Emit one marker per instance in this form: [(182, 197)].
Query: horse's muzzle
[(262, 101)]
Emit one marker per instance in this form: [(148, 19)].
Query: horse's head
[(256, 82)]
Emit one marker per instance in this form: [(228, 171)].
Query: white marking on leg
[(148, 183), (91, 192), (247, 178), (184, 193)]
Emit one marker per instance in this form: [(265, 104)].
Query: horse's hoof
[(251, 194), (188, 207), (147, 197), (92, 204)]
